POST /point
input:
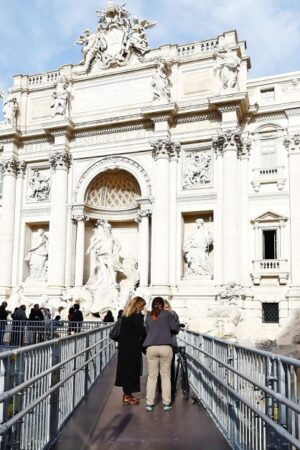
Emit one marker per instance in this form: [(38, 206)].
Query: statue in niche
[(106, 257), (117, 37), (60, 97), (40, 185), (160, 82), (37, 256), (229, 64), (196, 250), (198, 171), (10, 111)]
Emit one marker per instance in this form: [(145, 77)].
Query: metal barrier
[(18, 333), (251, 394), (42, 384)]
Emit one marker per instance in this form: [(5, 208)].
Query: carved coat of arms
[(117, 37)]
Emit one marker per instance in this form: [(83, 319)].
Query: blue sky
[(38, 35)]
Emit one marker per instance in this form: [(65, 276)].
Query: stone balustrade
[(270, 268), (266, 175), (199, 47), (42, 79)]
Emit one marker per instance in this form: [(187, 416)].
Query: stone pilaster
[(163, 150), (292, 143), (228, 144), (142, 219), (20, 172), (79, 220), (244, 265), (9, 167), (60, 162)]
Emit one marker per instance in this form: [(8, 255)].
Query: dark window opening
[(270, 312), (269, 244)]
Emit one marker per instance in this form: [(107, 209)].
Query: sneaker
[(167, 406), (149, 408)]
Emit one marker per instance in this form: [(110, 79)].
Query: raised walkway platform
[(101, 422)]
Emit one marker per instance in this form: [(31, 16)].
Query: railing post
[(54, 397)]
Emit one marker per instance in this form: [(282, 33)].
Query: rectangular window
[(267, 95), (269, 244), (268, 153), (270, 312)]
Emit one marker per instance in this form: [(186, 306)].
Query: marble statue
[(10, 111), (37, 256), (39, 184), (60, 97), (196, 250), (229, 64), (198, 171), (118, 36), (106, 251), (128, 281), (160, 81)]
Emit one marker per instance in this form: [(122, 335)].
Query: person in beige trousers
[(159, 327)]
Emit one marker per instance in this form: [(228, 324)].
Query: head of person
[(23, 307), (76, 306), (4, 304), (57, 318), (109, 313), (136, 305), (168, 306), (36, 306), (120, 313), (71, 310), (157, 306)]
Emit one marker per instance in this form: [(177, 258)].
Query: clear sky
[(38, 35)]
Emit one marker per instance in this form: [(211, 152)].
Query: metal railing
[(18, 333), (42, 384), (251, 394)]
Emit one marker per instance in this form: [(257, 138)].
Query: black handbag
[(114, 333)]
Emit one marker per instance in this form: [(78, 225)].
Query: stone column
[(244, 265), (21, 166), (228, 144), (292, 142), (9, 168), (143, 243), (79, 256), (173, 218), (162, 151), (60, 162)]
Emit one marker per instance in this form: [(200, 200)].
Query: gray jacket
[(159, 330)]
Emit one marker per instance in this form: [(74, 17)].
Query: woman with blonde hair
[(131, 338)]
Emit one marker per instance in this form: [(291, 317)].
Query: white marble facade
[(160, 171)]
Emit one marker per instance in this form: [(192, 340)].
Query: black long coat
[(129, 365)]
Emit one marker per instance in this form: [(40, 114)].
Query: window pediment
[(268, 217)]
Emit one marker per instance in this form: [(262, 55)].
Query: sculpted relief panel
[(197, 170), (196, 250), (38, 185)]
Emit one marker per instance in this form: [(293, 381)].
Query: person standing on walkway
[(108, 317), (132, 334), (159, 327), (3, 320), (77, 317)]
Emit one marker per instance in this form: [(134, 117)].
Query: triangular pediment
[(269, 216)]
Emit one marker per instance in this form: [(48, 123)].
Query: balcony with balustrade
[(270, 268), (268, 175)]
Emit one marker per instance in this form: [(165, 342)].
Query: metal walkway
[(101, 422)]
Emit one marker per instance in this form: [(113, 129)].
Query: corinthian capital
[(9, 166), (228, 140), (292, 143), (21, 167), (165, 148), (60, 160)]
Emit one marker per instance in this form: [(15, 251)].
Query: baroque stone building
[(158, 171)]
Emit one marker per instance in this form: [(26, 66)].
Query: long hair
[(134, 306), (157, 306), (168, 306)]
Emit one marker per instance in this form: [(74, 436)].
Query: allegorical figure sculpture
[(117, 37), (160, 81), (39, 184), (10, 111), (196, 250), (60, 97), (37, 256), (198, 171), (229, 64), (105, 257)]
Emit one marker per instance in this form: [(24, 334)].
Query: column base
[(5, 292)]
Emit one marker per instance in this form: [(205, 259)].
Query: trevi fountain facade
[(155, 172)]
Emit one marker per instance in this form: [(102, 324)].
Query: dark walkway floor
[(102, 422)]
